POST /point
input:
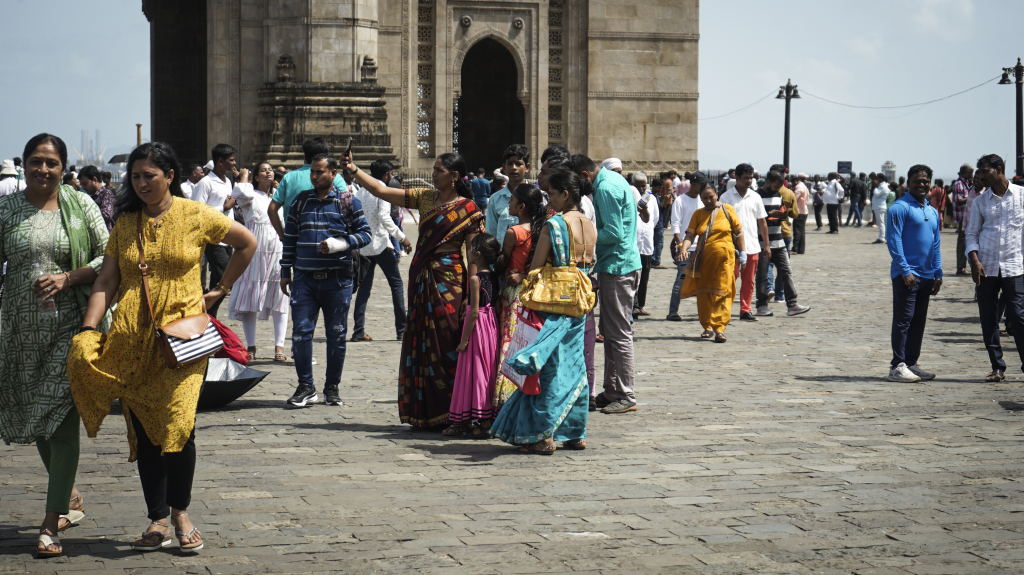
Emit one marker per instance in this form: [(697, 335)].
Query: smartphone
[(349, 148)]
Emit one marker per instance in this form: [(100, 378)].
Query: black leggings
[(166, 479), (641, 291)]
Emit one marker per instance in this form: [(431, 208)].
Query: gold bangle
[(225, 289), (68, 275)]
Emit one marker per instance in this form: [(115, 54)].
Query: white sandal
[(165, 539), (73, 518), (48, 538), (179, 534)]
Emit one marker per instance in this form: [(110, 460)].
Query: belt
[(327, 274)]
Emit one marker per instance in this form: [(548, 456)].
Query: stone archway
[(490, 115)]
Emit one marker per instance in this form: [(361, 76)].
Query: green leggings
[(60, 456)]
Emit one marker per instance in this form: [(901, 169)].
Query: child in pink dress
[(472, 409)]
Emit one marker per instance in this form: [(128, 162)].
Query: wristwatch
[(86, 328)]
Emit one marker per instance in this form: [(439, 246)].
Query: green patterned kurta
[(34, 392)]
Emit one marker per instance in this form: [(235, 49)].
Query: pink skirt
[(474, 375)]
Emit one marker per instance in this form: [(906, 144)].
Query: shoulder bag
[(183, 341), (564, 290)]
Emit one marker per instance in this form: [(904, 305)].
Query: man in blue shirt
[(481, 189), (324, 225), (618, 272), (297, 181), (912, 235)]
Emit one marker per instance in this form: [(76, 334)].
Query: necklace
[(47, 222)]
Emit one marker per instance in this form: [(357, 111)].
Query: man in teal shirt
[(618, 271), (297, 181)]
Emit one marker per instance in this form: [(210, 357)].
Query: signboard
[(845, 168)]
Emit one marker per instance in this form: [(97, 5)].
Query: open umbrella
[(118, 159), (226, 381)]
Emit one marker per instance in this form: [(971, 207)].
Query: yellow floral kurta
[(127, 364)]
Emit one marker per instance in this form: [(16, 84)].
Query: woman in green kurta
[(62, 230)]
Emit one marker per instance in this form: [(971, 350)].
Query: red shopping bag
[(527, 329), (233, 348)]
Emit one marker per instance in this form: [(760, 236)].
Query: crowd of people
[(92, 272)]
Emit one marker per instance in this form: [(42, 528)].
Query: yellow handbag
[(563, 290)]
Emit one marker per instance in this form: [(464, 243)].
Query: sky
[(90, 69), (866, 53), (74, 65)]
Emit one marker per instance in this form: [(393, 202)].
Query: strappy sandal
[(995, 377), (479, 431), (538, 449), (72, 506), (151, 543), (708, 334), (457, 430), (280, 357), (48, 539), (577, 444), (252, 353), (72, 519), (720, 337), (183, 537)]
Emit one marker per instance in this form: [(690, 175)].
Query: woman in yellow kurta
[(159, 403), (710, 271)]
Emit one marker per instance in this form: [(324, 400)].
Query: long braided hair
[(533, 202)]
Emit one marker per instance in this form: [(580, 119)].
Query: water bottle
[(47, 307)]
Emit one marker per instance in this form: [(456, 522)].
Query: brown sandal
[(720, 337), (707, 334), (458, 430), (577, 444), (995, 377), (538, 448), (364, 338)]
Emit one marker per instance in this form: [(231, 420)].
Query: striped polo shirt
[(772, 202)]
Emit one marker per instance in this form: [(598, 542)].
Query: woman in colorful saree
[(559, 412), (710, 271), (449, 219)]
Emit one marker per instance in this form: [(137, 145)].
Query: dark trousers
[(780, 258), (909, 312), (166, 479), (961, 248), (310, 296), (389, 265), (832, 210), (800, 233), (659, 244), (817, 214), (989, 308), (217, 258), (641, 291)]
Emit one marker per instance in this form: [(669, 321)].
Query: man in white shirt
[(750, 209), (993, 239), (214, 190), (380, 253), (644, 238), (833, 194), (195, 173), (683, 208)]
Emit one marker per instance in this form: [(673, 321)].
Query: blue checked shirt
[(339, 215)]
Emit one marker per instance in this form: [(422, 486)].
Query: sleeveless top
[(524, 239), (487, 283)]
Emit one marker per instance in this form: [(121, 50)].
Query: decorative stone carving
[(285, 68), (466, 21), (368, 71), (518, 23)]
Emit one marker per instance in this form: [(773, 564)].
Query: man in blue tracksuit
[(912, 235)]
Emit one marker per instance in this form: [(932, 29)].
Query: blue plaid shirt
[(339, 215)]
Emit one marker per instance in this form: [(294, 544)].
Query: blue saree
[(560, 410)]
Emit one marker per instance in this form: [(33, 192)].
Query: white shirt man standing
[(683, 208), (214, 190), (750, 209), (993, 239), (834, 193)]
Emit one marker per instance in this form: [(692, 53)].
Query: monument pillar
[(323, 82)]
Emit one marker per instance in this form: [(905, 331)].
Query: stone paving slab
[(782, 451)]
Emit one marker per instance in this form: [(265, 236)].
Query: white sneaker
[(763, 311), (924, 375), (902, 374)]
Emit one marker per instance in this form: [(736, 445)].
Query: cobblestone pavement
[(782, 451)]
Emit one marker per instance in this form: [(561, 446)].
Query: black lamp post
[(1018, 74), (787, 93)]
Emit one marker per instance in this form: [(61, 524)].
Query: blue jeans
[(659, 244), (309, 297), (389, 265), (673, 302), (854, 211)]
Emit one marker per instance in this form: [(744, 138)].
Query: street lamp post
[(1018, 74), (787, 93)]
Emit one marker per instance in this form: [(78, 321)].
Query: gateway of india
[(411, 79)]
